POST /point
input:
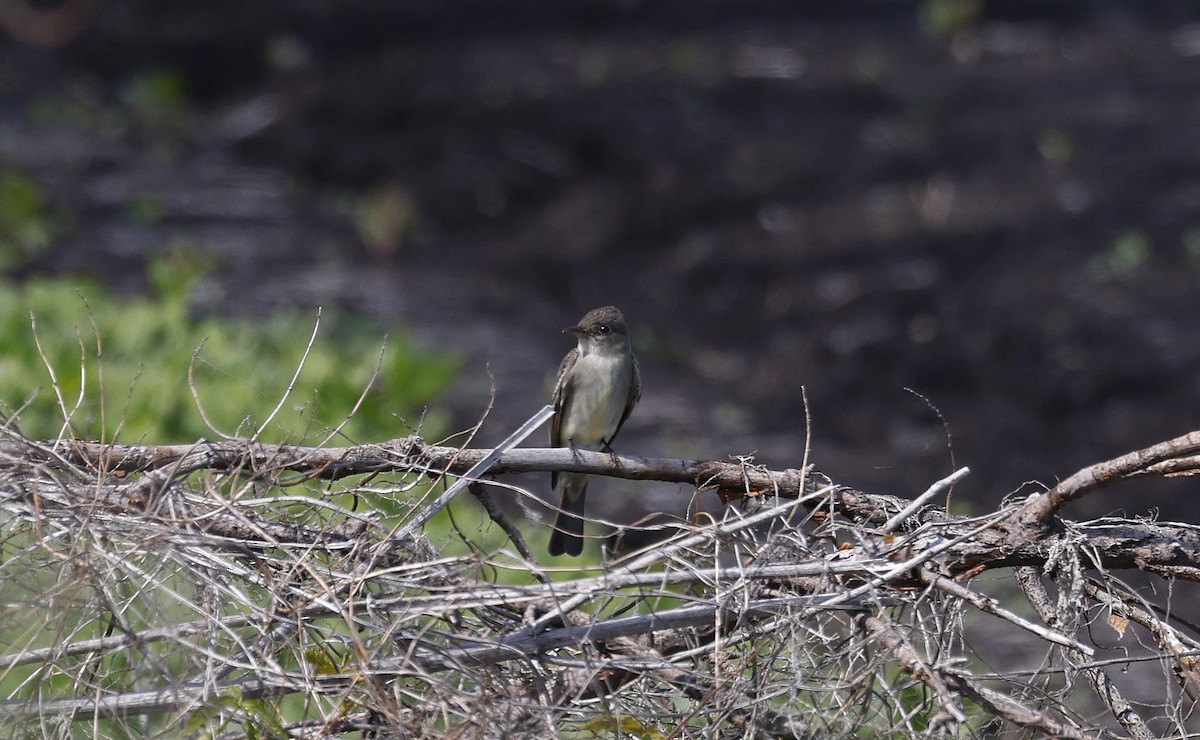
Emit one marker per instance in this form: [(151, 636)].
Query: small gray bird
[(598, 385)]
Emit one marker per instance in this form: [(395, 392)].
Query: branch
[(1103, 686), (274, 592), (1165, 549), (941, 678), (1170, 458), (403, 455)]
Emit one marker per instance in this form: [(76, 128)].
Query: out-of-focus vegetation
[(156, 101), (158, 98), (27, 222), (80, 361), (117, 369), (1123, 258), (945, 18)]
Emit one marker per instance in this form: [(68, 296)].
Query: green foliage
[(1123, 259), (122, 365), (945, 18), (1191, 245), (144, 211), (915, 703), (624, 726), (155, 101), (27, 223), (385, 217), (262, 721), (323, 661), (1056, 146), (158, 98)]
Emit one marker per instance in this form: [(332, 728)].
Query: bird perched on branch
[(598, 385)]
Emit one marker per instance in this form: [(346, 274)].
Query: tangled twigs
[(1103, 685), (172, 589), (950, 682)]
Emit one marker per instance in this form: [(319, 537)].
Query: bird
[(598, 384)]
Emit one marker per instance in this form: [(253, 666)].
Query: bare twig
[(945, 678), (1108, 693), (923, 499), (1155, 459), (291, 386), (477, 470), (200, 581), (989, 605)]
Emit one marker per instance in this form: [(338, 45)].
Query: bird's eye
[(604, 329)]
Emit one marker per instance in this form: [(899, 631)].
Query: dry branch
[(193, 583), (403, 455), (1174, 457), (1168, 549)]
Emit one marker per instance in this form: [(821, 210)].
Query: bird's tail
[(567, 538)]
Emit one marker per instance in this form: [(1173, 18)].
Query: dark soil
[(1004, 219)]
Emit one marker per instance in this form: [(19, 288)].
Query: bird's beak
[(575, 331)]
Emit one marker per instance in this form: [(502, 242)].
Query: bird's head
[(602, 329)]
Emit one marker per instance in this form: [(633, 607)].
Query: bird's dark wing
[(562, 395)]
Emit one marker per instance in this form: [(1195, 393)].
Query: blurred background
[(969, 230)]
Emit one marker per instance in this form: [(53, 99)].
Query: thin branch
[(477, 470), (195, 391), (1154, 459), (994, 702), (58, 393), (405, 454), (988, 605), (924, 498), (418, 661), (362, 397), (1108, 693), (1165, 549), (291, 386)]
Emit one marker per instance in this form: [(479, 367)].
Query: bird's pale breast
[(600, 389)]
